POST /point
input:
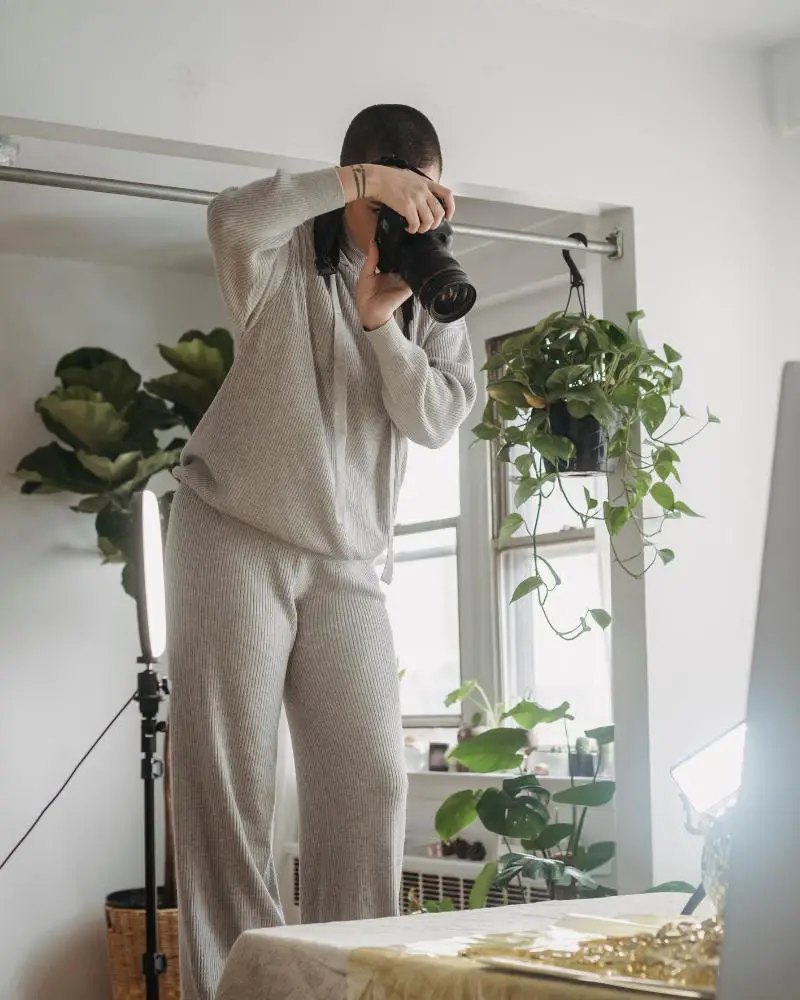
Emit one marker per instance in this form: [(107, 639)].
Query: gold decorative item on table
[(679, 959)]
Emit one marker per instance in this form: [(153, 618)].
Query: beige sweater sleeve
[(248, 226), (428, 391)]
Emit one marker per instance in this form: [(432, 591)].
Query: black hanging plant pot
[(589, 440), (578, 396)]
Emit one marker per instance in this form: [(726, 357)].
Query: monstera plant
[(113, 431)]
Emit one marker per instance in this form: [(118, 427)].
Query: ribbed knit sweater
[(306, 439)]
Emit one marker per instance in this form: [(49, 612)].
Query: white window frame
[(546, 542), (441, 721)]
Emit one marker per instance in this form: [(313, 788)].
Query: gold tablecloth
[(396, 974)]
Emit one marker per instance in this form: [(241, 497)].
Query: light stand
[(151, 691)]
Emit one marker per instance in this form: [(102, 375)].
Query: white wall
[(561, 108), (68, 642)]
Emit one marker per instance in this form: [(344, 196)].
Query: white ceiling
[(113, 229), (752, 23)]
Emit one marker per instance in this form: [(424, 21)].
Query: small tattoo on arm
[(360, 178)]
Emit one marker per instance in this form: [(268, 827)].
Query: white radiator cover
[(429, 878)]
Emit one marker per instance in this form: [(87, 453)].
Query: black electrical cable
[(74, 771)]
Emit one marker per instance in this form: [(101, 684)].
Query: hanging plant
[(577, 395)]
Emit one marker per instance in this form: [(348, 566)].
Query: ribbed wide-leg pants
[(253, 622)]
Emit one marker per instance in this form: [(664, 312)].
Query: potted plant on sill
[(108, 425), (520, 809), (578, 395)]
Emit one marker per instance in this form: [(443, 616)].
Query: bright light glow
[(152, 603), (711, 777)]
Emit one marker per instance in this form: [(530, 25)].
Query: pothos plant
[(520, 810), (110, 429), (575, 395)]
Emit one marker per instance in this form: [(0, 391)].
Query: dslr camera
[(424, 261)]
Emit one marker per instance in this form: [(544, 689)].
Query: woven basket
[(126, 945)]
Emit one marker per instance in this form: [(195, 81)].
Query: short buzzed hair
[(391, 130)]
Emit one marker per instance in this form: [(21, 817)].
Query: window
[(423, 600), (536, 661)]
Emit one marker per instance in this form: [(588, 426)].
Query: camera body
[(424, 262)]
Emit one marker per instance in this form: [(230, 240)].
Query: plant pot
[(125, 923), (581, 765), (589, 438)]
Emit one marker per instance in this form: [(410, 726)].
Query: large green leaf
[(563, 378), (596, 855), (616, 517), (495, 361), (114, 379), (654, 411), (525, 490), (482, 886), (663, 495), (552, 835), (510, 526), (86, 358), (553, 448), (195, 357), (526, 587), (457, 812), (526, 784), (58, 469), (529, 714), (111, 470), (194, 395), (594, 793), (150, 413), (509, 392), (512, 816), (486, 432), (154, 464), (218, 338), (460, 694), (116, 525), (626, 394), (86, 417), (494, 750), (602, 735)]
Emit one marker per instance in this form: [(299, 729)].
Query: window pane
[(539, 662), (430, 488), (422, 602), (557, 513)]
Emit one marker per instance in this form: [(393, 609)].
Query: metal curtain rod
[(160, 192)]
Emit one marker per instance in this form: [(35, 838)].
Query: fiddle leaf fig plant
[(110, 431), (576, 395)]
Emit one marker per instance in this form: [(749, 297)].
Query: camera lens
[(435, 276), (447, 295)]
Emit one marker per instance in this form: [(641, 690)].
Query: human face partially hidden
[(361, 217)]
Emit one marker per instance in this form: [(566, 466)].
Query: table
[(343, 961)]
